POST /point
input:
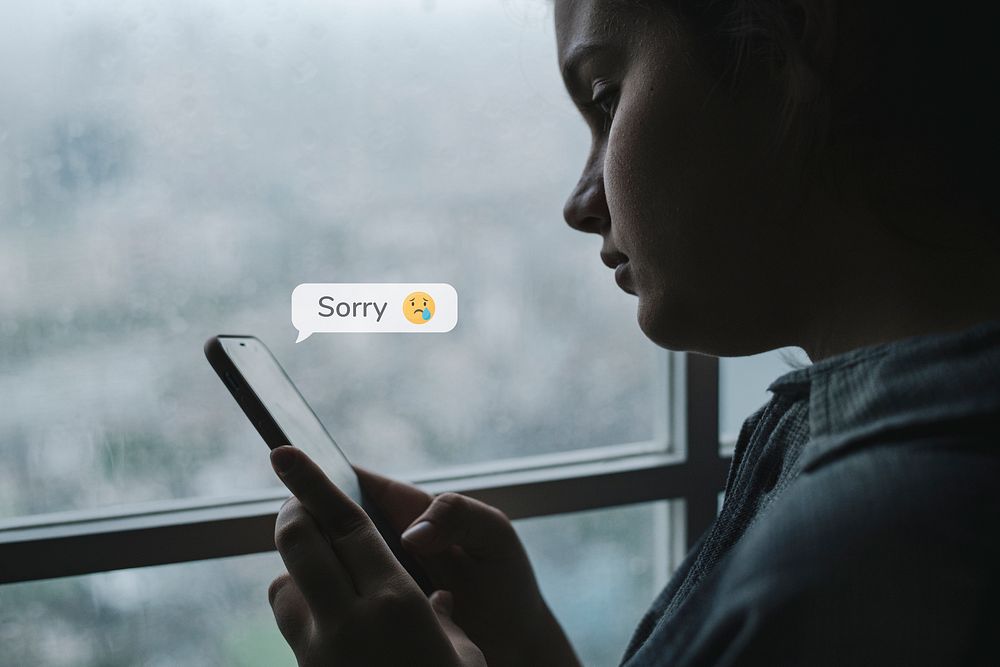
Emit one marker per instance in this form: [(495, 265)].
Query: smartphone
[(281, 415)]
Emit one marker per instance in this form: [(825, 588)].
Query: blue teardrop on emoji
[(426, 314)]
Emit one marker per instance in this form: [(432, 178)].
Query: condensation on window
[(171, 170)]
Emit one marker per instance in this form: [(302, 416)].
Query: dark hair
[(905, 90)]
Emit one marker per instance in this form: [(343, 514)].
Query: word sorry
[(349, 309)]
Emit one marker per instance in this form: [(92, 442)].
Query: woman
[(763, 173)]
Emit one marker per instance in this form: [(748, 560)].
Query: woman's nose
[(586, 208)]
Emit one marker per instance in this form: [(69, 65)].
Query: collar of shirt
[(897, 386)]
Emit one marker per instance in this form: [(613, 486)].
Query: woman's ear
[(806, 39)]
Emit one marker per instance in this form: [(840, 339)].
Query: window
[(216, 611), (171, 170), (743, 385)]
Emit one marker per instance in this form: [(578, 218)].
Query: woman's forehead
[(580, 19), (582, 24)]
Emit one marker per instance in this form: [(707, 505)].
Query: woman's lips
[(624, 278)]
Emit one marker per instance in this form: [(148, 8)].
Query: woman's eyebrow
[(571, 64)]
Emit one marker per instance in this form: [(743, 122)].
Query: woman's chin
[(664, 324), (650, 322)]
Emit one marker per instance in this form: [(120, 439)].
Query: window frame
[(684, 462)]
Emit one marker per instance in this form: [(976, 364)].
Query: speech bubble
[(373, 308)]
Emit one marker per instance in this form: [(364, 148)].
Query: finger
[(480, 529), (400, 502), (355, 540), (442, 603), (323, 580), (291, 612)]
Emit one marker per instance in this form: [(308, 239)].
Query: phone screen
[(290, 411)]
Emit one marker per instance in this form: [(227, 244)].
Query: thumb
[(480, 529), (442, 603)]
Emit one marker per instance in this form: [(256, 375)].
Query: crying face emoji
[(418, 307)]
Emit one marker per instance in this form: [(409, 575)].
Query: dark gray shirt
[(860, 522)]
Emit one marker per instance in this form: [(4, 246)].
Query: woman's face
[(678, 184)]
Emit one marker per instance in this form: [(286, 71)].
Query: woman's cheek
[(620, 188), (630, 178)]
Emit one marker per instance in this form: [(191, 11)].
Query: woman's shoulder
[(885, 554), (889, 551), (902, 506)]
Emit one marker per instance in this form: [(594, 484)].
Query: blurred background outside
[(171, 170)]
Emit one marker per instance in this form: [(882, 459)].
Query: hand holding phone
[(282, 417), (346, 599), (473, 551)]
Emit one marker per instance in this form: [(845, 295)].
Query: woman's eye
[(606, 103)]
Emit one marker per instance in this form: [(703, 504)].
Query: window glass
[(600, 570), (170, 170), (743, 385), (216, 612)]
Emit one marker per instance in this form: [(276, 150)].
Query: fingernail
[(420, 533), (282, 459)]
